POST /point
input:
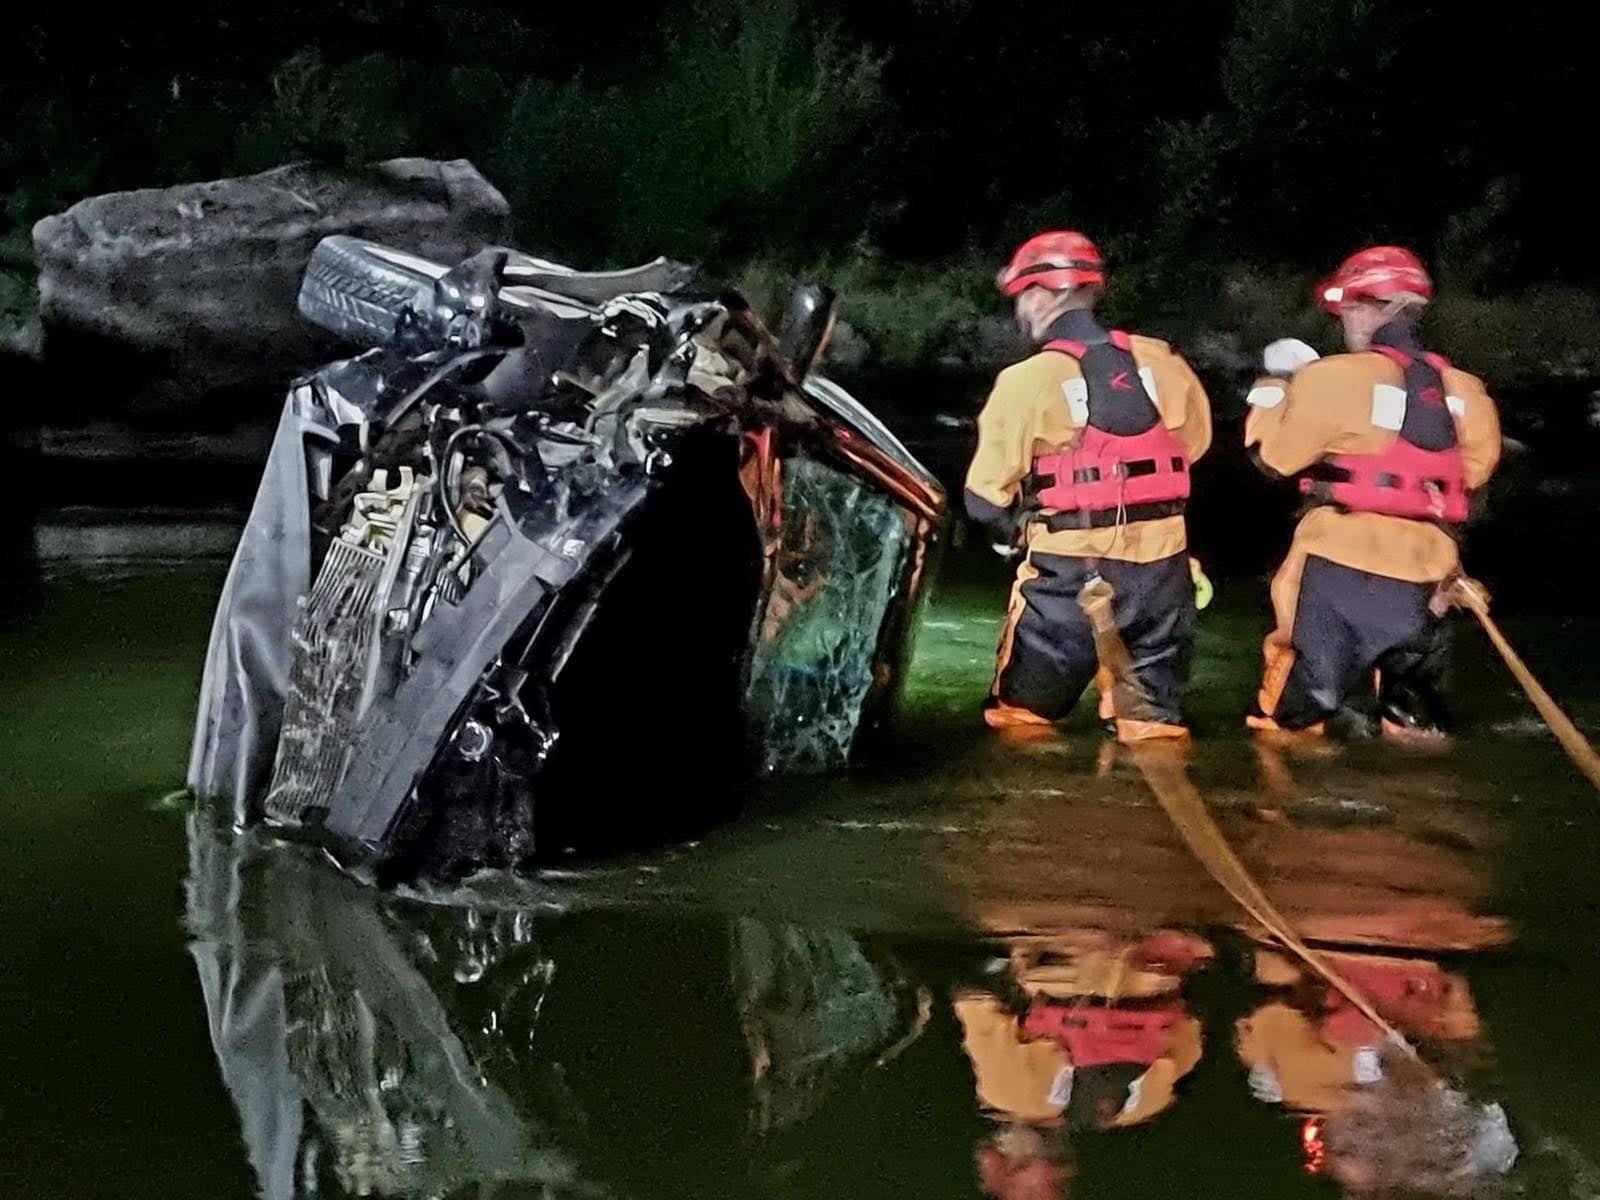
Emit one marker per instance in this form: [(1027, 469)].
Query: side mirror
[(807, 326)]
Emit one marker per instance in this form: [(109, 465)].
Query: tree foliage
[(1272, 134)]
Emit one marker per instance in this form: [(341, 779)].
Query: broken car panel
[(552, 534)]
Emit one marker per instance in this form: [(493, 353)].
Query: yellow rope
[(1187, 811), (1163, 770), (1472, 597)]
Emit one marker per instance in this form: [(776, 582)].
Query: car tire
[(357, 289)]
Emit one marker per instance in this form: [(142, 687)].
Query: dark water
[(861, 987)]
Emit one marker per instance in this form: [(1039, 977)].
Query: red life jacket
[(1416, 996), (1421, 474), (1126, 465), (1096, 1035)]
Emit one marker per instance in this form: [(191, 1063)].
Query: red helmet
[(1057, 260), (1376, 273)]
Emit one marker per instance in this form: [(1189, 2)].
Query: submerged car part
[(383, 1045), (553, 540)]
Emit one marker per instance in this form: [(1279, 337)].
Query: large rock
[(164, 298), (849, 347), (987, 344)]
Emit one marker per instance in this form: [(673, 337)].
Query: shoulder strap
[(1404, 361), (1067, 346), (1077, 350)]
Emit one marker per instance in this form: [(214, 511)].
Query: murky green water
[(859, 988)]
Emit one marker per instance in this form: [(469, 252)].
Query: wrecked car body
[(554, 551)]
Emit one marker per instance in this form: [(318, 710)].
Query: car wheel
[(357, 289)]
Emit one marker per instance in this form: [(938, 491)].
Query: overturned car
[(558, 558)]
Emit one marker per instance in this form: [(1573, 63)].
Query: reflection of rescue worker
[(1381, 1122), (1387, 442), (1019, 1163), (1308, 1047), (1085, 448), (1098, 1043)]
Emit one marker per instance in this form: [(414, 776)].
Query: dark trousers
[(1347, 625), (1048, 654)]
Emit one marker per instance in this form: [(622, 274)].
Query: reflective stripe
[(1077, 394), (1135, 1096), (1388, 406), (1366, 1067), (1264, 1084), (1148, 376), (1456, 405), (1265, 396), (1061, 1088)]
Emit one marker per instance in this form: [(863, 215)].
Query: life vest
[(1421, 474), (1095, 1035), (1419, 997), (1126, 464)]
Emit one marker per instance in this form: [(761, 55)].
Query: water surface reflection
[(381, 1045)]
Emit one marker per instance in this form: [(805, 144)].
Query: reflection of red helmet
[(1376, 273), (1028, 1179), (1057, 260)]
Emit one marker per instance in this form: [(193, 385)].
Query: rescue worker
[(1387, 443), (1083, 456)]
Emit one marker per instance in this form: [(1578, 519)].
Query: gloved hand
[(1286, 356), (1459, 591), (1203, 591), (1006, 550)]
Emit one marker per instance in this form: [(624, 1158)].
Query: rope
[(1186, 809), (1164, 772), (1473, 598)]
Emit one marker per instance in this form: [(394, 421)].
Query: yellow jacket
[(1327, 407), (1026, 415), (1023, 1077)]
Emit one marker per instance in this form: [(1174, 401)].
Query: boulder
[(849, 348), (987, 343), (168, 298)]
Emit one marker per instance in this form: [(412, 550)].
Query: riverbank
[(71, 491)]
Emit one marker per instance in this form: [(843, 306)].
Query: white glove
[(1286, 356)]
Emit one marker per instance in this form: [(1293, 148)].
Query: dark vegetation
[(1223, 151)]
